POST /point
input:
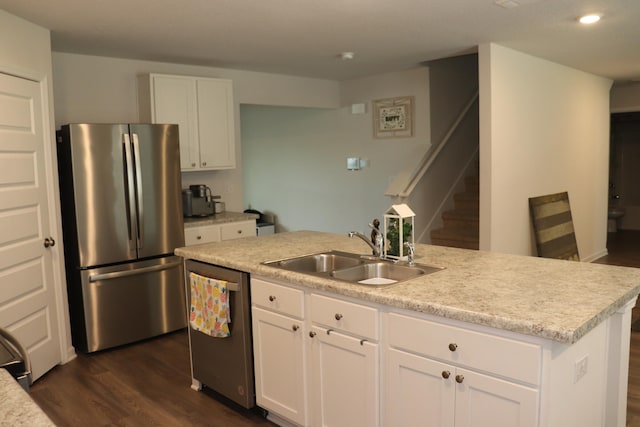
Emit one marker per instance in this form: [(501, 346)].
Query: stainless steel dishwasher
[(224, 365)]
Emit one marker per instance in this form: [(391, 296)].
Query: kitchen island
[(560, 329)]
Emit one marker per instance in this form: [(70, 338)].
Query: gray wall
[(295, 158)]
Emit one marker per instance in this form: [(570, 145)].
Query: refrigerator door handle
[(130, 191), (120, 274), (138, 175)]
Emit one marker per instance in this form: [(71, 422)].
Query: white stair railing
[(429, 157)]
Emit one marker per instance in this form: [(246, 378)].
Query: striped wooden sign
[(553, 227)]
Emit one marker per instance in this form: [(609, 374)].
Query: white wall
[(295, 159), (100, 89), (544, 128)]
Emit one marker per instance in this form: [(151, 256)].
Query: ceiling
[(306, 37)]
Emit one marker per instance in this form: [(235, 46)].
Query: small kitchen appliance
[(198, 201)]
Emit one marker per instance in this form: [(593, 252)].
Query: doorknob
[(49, 242)]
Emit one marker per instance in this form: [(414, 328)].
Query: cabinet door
[(216, 126), (483, 401), (344, 383), (174, 102), (419, 392), (279, 364)]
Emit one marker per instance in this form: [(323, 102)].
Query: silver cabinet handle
[(446, 374), (49, 242), (453, 346), (338, 316), (459, 379)]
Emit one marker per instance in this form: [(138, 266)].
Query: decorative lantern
[(398, 230)]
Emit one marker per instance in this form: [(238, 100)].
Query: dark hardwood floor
[(147, 384), (143, 384)]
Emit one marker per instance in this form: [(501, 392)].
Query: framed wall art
[(393, 117)]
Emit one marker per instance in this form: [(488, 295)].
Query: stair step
[(459, 238), (466, 201), (462, 224)]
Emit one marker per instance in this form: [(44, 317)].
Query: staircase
[(461, 227)]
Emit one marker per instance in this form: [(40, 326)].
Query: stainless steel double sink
[(354, 268)]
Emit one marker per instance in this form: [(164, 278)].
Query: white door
[(279, 364), (216, 126), (344, 380), (174, 102), (484, 401), (27, 295), (420, 392)]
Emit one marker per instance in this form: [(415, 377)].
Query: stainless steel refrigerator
[(122, 218)]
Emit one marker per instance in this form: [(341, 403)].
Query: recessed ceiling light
[(589, 19), (347, 56)]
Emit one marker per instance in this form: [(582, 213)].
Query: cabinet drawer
[(491, 353), (236, 230), (277, 298), (345, 316), (198, 235)]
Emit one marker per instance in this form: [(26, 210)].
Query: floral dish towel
[(210, 311)]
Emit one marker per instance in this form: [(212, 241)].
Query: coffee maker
[(197, 201)]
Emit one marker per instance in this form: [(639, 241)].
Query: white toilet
[(614, 215)]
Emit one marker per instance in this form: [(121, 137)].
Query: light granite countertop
[(16, 407), (557, 300), (219, 218)]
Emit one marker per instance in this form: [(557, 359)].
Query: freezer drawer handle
[(119, 274)]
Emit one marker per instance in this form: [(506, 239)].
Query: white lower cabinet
[(219, 232), (424, 391), (316, 364), (345, 362), (416, 393), (344, 379), (326, 360), (279, 350), (279, 364)]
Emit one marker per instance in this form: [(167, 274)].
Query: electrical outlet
[(580, 368)]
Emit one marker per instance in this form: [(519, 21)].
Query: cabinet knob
[(272, 298), (459, 379), (453, 346), (193, 165), (199, 237), (295, 328), (312, 334), (49, 242), (204, 163), (446, 374), (338, 316), (239, 231)]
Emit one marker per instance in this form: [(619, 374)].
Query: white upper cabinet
[(204, 111)]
